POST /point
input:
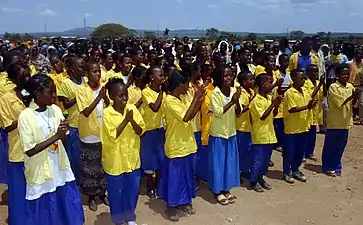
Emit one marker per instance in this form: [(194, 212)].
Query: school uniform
[(152, 141), (296, 129), (339, 121), (52, 196), (135, 94), (315, 117), (263, 137), (244, 128), (68, 89), (224, 172), (206, 117), (58, 79), (10, 108), (92, 177), (121, 162), (177, 180)]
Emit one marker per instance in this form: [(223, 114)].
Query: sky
[(227, 15)]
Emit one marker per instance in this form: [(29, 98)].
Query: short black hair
[(339, 69), (14, 70), (261, 79), (295, 72), (243, 76), (175, 80), (37, 83), (113, 83)]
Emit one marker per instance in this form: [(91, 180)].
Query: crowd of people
[(94, 117)]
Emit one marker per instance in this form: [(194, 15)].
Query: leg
[(279, 130), (245, 153), (343, 143), (73, 147), (299, 151), (329, 151), (310, 143), (16, 191), (288, 155), (360, 106)]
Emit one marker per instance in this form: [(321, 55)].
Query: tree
[(110, 29), (150, 35), (329, 39), (212, 33), (166, 33), (252, 37), (132, 33), (322, 35), (297, 35), (228, 35)]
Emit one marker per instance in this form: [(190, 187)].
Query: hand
[(199, 94), (279, 82), (277, 101), (311, 104), (129, 115), (102, 93), (322, 79), (236, 95), (63, 128), (356, 93)]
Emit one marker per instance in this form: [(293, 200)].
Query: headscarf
[(40, 62), (49, 48)]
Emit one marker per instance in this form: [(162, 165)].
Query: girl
[(121, 128), (223, 149), (152, 142), (12, 104), (58, 75), (263, 134), (106, 68), (341, 97), (140, 82), (244, 127), (91, 98), (177, 184), (67, 95), (52, 195)]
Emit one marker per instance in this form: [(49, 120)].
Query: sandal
[(221, 199), (230, 197)]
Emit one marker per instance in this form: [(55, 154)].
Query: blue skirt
[(61, 207), (202, 163), (123, 193), (16, 192), (177, 183), (224, 173), (152, 149), (4, 156), (74, 151)]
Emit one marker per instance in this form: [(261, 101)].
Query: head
[(244, 56), (42, 89), (26, 55), (95, 55), (84, 56), (169, 70), (55, 42), (126, 63), (264, 83), (284, 61), (246, 80), (76, 67), (137, 56), (358, 54), (11, 58), (18, 74), (312, 72), (223, 77), (107, 60), (117, 91), (316, 43), (179, 50), (306, 45), (93, 73), (269, 61), (155, 75), (298, 78), (151, 57), (178, 84), (34, 51), (207, 70), (57, 64), (140, 77), (342, 71), (336, 48)]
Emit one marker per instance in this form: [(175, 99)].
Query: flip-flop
[(222, 199), (231, 198)]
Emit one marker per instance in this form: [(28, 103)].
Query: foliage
[(297, 35), (110, 30), (166, 33), (18, 37), (212, 33), (150, 35), (252, 37)]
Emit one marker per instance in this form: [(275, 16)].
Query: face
[(108, 62), (78, 69), (267, 85), (250, 82), (223, 47), (84, 57), (138, 57), (313, 72), (126, 64), (158, 76), (204, 52), (184, 88), (245, 57), (120, 95), (57, 65), (27, 55), (227, 77), (47, 96), (22, 78), (270, 64), (56, 42), (299, 79), (284, 62), (96, 56), (358, 54), (179, 49), (94, 73), (139, 80), (344, 76)]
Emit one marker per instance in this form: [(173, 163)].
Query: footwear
[(245, 176), (257, 187), (151, 194), (188, 209), (105, 201), (298, 175), (304, 160), (230, 197), (279, 149), (330, 173), (264, 184), (221, 199), (312, 158), (288, 178), (172, 214), (92, 205), (271, 164)]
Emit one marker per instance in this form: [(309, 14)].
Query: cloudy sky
[(229, 15)]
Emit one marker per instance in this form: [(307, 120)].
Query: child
[(223, 150), (177, 184), (341, 97), (137, 57), (314, 88), (52, 196), (297, 103), (140, 82), (67, 95), (11, 105), (58, 74), (123, 66), (106, 68), (152, 142), (91, 98), (121, 127), (262, 111), (244, 127)]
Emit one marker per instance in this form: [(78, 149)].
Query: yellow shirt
[(33, 70), (153, 120), (297, 122), (293, 62), (120, 154), (316, 113), (179, 138), (37, 168), (87, 126), (5, 87), (277, 75), (263, 131), (339, 117), (206, 114), (195, 123), (223, 124), (58, 79), (134, 94), (244, 121), (10, 108), (69, 90), (105, 75), (259, 69)]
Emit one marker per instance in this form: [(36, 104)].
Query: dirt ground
[(323, 200)]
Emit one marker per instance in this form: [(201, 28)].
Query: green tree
[(150, 35), (322, 35), (110, 29), (252, 37), (212, 33), (329, 38), (228, 35), (297, 35), (166, 33)]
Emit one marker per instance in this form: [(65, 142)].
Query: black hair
[(150, 72), (261, 79), (295, 72), (135, 50), (14, 70), (218, 75), (175, 80), (37, 83), (281, 57), (113, 83), (122, 59), (339, 68), (104, 55), (116, 56), (138, 71), (311, 66), (89, 65), (9, 56), (93, 51), (243, 76), (306, 39)]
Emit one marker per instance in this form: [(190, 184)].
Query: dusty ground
[(323, 200)]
